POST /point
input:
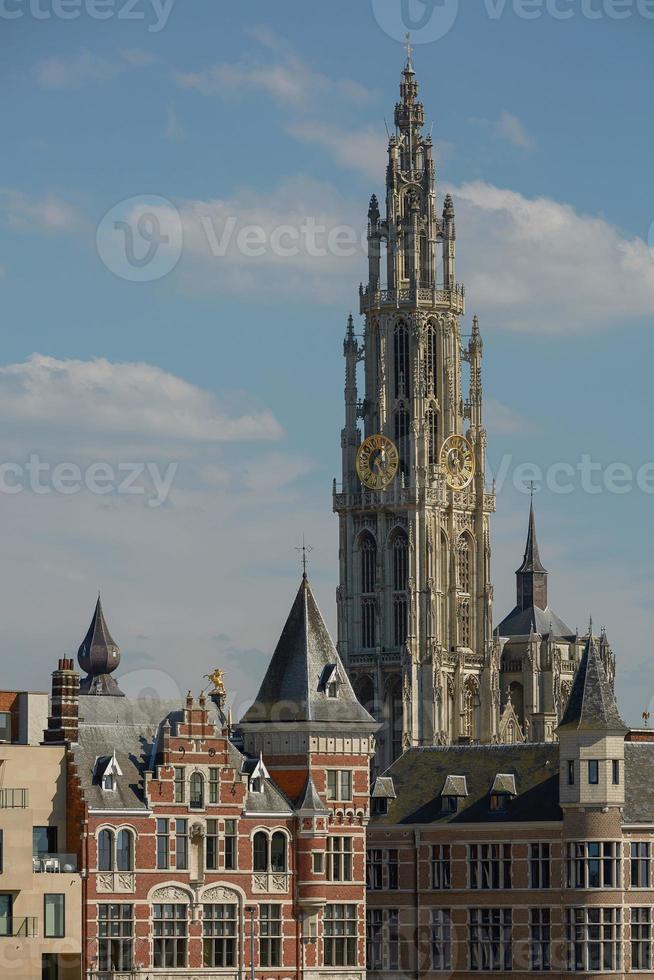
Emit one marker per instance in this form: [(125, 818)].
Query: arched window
[(197, 791), (463, 564), (364, 690), (368, 553), (105, 851), (430, 362), (260, 852), (432, 436), (400, 562), (402, 428), (124, 851), (400, 559), (401, 362), (471, 708), (278, 852)]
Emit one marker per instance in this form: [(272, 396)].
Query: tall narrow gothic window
[(368, 557), (402, 427), (400, 558), (465, 632), (401, 362), (430, 359), (432, 437), (463, 564), (368, 550), (471, 708)]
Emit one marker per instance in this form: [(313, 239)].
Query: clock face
[(458, 461), (377, 462)]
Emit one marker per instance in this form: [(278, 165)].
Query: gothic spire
[(592, 705), (99, 655), (531, 577)]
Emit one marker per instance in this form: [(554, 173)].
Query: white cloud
[(536, 264), (138, 58), (49, 214), (60, 73), (502, 420), (132, 400), (510, 128), (296, 228), (71, 73), (288, 80), (362, 150)]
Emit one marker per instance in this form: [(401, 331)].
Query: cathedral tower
[(414, 600)]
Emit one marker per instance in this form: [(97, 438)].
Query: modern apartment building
[(40, 885)]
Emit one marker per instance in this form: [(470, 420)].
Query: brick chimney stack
[(63, 721)]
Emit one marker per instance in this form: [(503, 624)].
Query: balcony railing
[(26, 927), (54, 863), (12, 799), (422, 297)]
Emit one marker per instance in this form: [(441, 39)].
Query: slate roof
[(269, 800), (639, 782), (531, 561), (419, 777), (592, 706), (293, 689), (98, 656), (383, 789), (310, 799), (132, 728), (522, 622)]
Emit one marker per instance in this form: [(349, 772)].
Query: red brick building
[(207, 850)]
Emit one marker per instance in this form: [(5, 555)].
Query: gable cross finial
[(305, 549)]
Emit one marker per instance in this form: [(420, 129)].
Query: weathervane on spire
[(305, 549)]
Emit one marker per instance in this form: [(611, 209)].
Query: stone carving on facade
[(170, 893)]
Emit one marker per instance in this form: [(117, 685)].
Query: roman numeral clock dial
[(377, 462), (458, 462)]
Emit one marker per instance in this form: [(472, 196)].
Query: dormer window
[(257, 777), (256, 784), (502, 792), (454, 790), (329, 681), (106, 773)]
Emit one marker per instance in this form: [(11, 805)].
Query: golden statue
[(218, 681)]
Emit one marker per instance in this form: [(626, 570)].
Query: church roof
[(99, 655), (592, 705), (522, 622), (297, 685), (531, 561)]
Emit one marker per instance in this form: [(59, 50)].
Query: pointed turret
[(592, 706), (99, 656), (531, 577), (306, 682)]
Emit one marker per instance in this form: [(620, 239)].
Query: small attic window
[(256, 784), (502, 792), (106, 771), (109, 782), (454, 789), (329, 681)]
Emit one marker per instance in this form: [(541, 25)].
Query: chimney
[(63, 721)]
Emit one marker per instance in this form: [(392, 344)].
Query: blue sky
[(229, 368)]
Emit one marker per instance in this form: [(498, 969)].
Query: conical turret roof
[(306, 680), (592, 705), (99, 656)]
